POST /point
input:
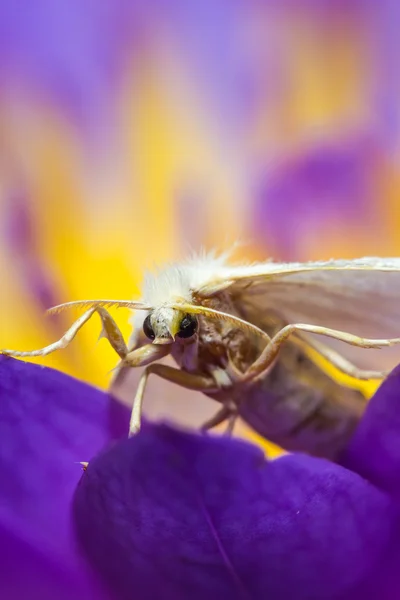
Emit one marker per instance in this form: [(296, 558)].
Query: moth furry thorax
[(179, 281)]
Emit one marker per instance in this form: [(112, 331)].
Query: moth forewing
[(358, 296)]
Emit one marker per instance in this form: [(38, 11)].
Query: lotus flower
[(173, 514)]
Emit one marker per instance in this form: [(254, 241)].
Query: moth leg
[(220, 416), (190, 381), (231, 424), (110, 331), (341, 363), (227, 413), (270, 352)]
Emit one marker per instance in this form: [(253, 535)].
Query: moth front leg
[(190, 381), (110, 331)]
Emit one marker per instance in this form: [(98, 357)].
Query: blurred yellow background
[(131, 132)]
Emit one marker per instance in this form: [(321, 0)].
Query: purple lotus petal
[(384, 29), (330, 182), (22, 237), (76, 50), (72, 50), (374, 451), (173, 515), (208, 35), (48, 423)]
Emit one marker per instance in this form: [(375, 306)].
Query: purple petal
[(48, 423), (329, 182), (374, 451), (22, 243), (385, 18), (72, 50), (173, 515)]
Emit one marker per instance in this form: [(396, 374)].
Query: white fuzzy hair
[(182, 279), (179, 281)]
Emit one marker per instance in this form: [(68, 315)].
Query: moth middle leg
[(227, 413), (271, 351), (340, 362), (190, 381)]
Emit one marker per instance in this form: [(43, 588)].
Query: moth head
[(163, 325)]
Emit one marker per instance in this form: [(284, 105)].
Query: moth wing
[(357, 296)]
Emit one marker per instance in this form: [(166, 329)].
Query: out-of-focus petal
[(71, 51), (172, 515), (331, 184), (48, 423)]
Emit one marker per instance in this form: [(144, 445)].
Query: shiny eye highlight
[(188, 326), (147, 328)]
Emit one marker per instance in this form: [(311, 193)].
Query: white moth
[(242, 334)]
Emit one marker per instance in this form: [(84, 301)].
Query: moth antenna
[(100, 303), (217, 314)]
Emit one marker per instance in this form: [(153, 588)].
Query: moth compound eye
[(147, 328), (188, 326)]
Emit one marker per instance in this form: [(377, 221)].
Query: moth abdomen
[(312, 414)]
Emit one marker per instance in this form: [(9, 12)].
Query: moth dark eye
[(147, 328), (188, 326)]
